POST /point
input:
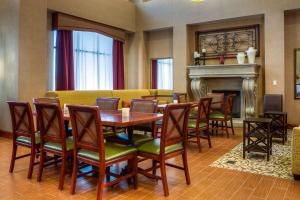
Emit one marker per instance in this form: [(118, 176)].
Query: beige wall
[(9, 57), (24, 57), (178, 14), (292, 41)]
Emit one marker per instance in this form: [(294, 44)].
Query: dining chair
[(180, 97), (109, 104), (199, 128), (23, 134), (144, 106), (54, 139), (223, 117), (90, 148), (217, 104), (172, 143)]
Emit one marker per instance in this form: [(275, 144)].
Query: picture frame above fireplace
[(228, 42), (297, 72)]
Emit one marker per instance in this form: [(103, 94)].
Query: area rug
[(278, 166)]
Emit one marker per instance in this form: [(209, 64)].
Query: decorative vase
[(222, 59), (251, 53), (241, 58)]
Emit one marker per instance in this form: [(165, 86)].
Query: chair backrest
[(107, 103), (174, 128), (149, 97), (47, 100), (87, 129), (22, 120), (273, 103), (141, 105), (181, 97), (51, 123), (217, 101), (204, 105), (229, 105)]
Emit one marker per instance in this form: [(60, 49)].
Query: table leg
[(244, 136), (130, 133)]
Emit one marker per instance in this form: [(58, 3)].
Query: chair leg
[(232, 129), (74, 176), (100, 184), (31, 163), (154, 163), (62, 173), (41, 166), (135, 171), (13, 158), (198, 140), (226, 129), (164, 177), (107, 171), (186, 168), (208, 138)]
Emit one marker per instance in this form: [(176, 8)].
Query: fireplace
[(236, 111), (241, 80)]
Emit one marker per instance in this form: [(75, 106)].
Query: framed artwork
[(228, 42), (297, 72)]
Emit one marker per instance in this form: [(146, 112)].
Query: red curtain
[(64, 61), (118, 65), (154, 74)]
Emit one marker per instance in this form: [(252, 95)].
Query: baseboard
[(5, 134)]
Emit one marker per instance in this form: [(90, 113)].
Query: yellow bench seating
[(88, 97)]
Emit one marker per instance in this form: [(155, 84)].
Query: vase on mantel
[(251, 53), (241, 58)]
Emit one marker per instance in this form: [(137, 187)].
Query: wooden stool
[(257, 133)]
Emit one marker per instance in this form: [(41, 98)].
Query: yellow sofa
[(88, 97), (296, 153)]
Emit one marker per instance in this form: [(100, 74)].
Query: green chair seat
[(58, 147), (137, 139), (159, 122), (153, 147), (112, 151), (192, 124), (216, 115), (108, 131), (27, 140)]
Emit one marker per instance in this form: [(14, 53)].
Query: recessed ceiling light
[(197, 0)]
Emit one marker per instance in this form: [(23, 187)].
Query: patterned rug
[(278, 166)]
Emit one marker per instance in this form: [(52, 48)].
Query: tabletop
[(115, 118)]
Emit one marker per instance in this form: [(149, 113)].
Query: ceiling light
[(197, 0)]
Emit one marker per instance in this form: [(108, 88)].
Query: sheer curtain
[(92, 61), (165, 74)]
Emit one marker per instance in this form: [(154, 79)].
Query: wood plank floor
[(207, 182)]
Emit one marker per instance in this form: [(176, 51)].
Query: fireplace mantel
[(249, 73), (223, 71)]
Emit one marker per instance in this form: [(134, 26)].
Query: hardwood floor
[(207, 182)]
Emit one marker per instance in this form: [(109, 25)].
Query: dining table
[(114, 118)]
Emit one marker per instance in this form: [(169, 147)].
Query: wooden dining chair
[(180, 97), (199, 128), (109, 104), (23, 134), (90, 148), (144, 106), (172, 143), (223, 117), (217, 101), (54, 139)]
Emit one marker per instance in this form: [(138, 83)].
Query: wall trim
[(5, 134)]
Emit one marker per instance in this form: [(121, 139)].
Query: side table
[(279, 124), (257, 136)]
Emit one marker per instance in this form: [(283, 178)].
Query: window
[(165, 74), (93, 68)]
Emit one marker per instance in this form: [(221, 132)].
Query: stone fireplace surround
[(236, 77)]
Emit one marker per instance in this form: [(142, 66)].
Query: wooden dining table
[(115, 119)]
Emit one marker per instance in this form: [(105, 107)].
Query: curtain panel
[(154, 74), (118, 65), (64, 73)]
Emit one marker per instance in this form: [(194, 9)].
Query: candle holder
[(197, 61), (203, 57)]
